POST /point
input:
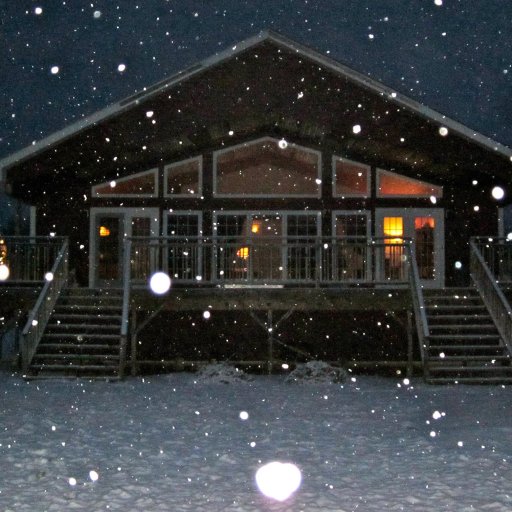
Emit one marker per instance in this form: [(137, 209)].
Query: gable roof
[(280, 40)]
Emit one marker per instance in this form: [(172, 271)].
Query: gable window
[(390, 184), (267, 167), (183, 178), (143, 184), (350, 179)]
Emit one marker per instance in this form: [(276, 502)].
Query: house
[(269, 180)]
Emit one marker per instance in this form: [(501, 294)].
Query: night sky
[(453, 55)]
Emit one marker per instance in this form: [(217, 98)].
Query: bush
[(317, 372)]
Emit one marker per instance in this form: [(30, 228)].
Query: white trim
[(33, 221), (407, 178), (366, 167), (340, 69), (168, 167), (124, 179), (250, 142), (501, 222), (408, 215), (126, 214)]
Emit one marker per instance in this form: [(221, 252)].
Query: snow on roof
[(266, 35)]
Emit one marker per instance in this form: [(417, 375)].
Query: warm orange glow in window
[(256, 226), (394, 227), (104, 231), (424, 222), (391, 184), (243, 253)]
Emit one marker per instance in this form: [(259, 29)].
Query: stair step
[(86, 346), (460, 318), (453, 368), (469, 380), (81, 336), (470, 327), (86, 317), (88, 367), (86, 307), (79, 327), (443, 348), (481, 337), (470, 358), (77, 357)]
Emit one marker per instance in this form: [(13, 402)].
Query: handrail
[(418, 302), (126, 306), (494, 299), (40, 313)]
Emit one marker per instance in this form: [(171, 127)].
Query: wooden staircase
[(464, 344), (83, 336)]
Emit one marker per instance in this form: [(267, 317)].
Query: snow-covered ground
[(172, 443)]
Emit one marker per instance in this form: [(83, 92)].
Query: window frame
[(168, 167), (219, 152)]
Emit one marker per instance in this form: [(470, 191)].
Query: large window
[(143, 184), (267, 167), (183, 178), (390, 184), (184, 251), (350, 179)]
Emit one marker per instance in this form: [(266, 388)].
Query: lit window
[(390, 184), (183, 178), (266, 168), (351, 179), (143, 184)]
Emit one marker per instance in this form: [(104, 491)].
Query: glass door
[(109, 228), (425, 227)]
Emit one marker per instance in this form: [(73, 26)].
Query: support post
[(270, 335), (409, 345), (133, 340)]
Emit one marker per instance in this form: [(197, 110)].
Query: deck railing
[(56, 278), (418, 303), (29, 258), (489, 265), (309, 261)]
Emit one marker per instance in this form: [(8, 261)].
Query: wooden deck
[(277, 299)]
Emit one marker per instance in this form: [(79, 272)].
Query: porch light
[(243, 253), (104, 231)]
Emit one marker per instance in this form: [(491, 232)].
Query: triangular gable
[(236, 49)]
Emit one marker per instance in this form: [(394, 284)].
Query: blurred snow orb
[(149, 114), (458, 265), (433, 199), (438, 2), (206, 315), (476, 208), (283, 144), (72, 481), (93, 475), (96, 14), (509, 236), (443, 131), (498, 193), (48, 276), (436, 415), (54, 70), (244, 415), (278, 480), (4, 272), (38, 10), (356, 128), (121, 68), (160, 283)]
